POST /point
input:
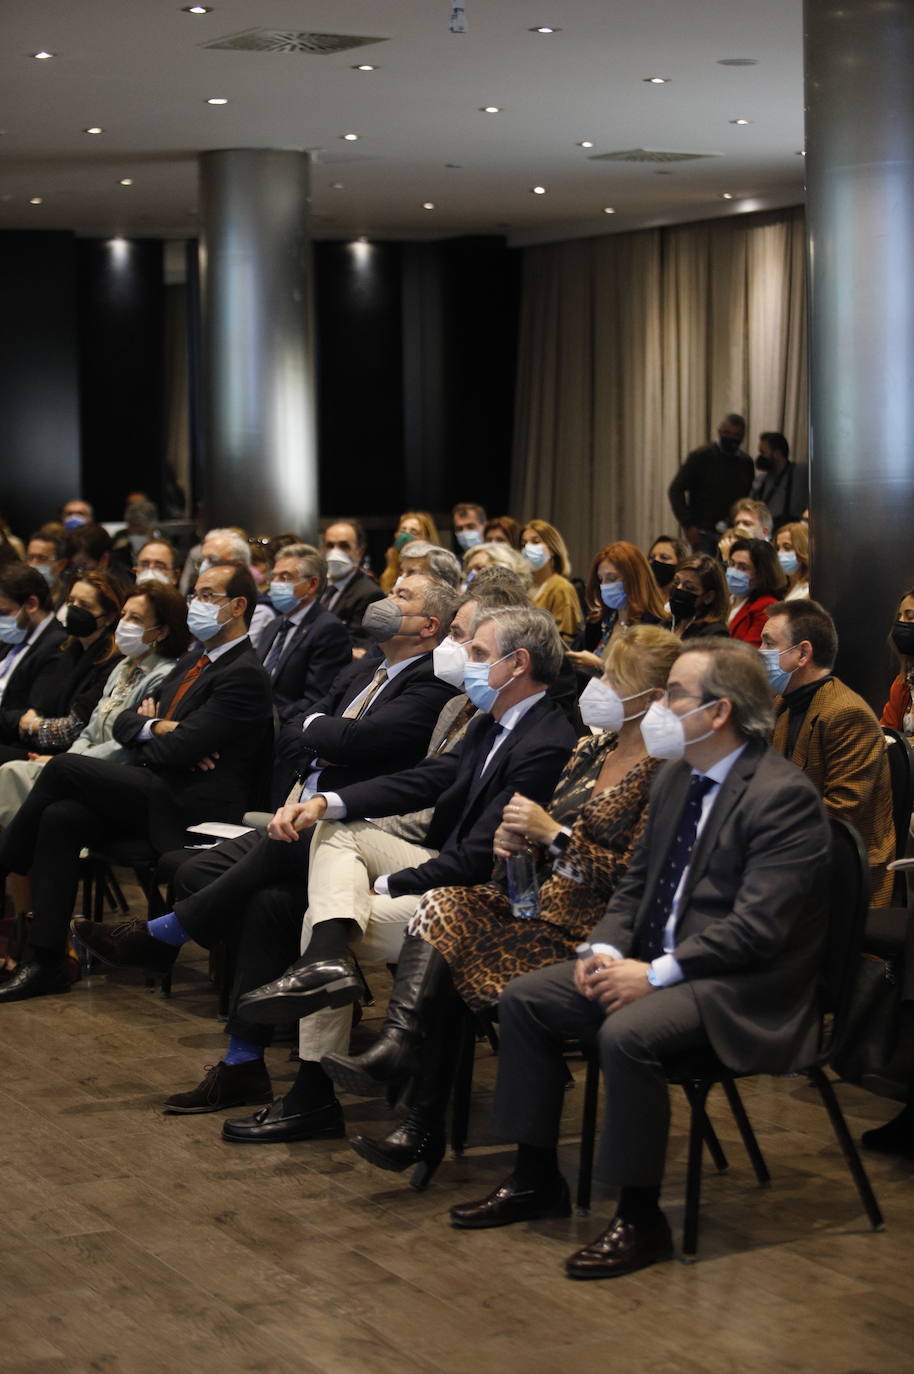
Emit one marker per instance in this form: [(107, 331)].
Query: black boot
[(422, 977)]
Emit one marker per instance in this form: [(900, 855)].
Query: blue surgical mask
[(10, 631), (788, 561), (282, 595), (612, 594), (537, 555), (468, 539), (738, 581), (203, 620), (778, 678), (477, 686), (73, 522)]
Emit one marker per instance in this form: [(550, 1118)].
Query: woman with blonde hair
[(545, 551), (621, 592), (413, 524), (792, 547), (496, 555)]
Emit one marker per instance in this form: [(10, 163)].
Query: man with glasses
[(712, 941), (305, 646), (156, 562)]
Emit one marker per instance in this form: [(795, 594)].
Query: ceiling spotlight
[(350, 138), (538, 190), (545, 28), (608, 210), (585, 143), (336, 186), (428, 205), (96, 129), (217, 100), (801, 152), (657, 80), (125, 181), (490, 109), (43, 55), (364, 67), (35, 200), (196, 9), (726, 195), (740, 121)]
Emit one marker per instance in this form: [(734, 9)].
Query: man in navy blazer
[(350, 591), (304, 647), (213, 710), (31, 643)]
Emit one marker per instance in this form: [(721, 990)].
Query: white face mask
[(664, 733), (338, 565), (450, 660), (152, 575), (129, 639), (603, 709)]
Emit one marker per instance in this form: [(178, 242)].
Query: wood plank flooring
[(134, 1241)]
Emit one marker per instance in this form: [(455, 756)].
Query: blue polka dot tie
[(649, 940)]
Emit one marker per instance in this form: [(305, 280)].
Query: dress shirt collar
[(519, 710), (718, 771), (213, 654), (394, 668)]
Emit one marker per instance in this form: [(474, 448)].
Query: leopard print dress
[(474, 928)]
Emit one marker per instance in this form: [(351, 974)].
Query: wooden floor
[(135, 1241)]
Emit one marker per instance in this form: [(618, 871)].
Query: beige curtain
[(632, 347)]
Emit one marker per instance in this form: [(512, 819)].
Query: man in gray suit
[(712, 941)]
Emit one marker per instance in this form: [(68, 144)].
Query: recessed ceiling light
[(545, 28), (801, 152), (336, 186), (196, 9), (608, 210), (350, 138), (95, 129), (364, 67), (35, 200), (428, 205), (737, 61), (726, 195), (217, 100), (43, 55), (538, 190), (657, 80), (490, 109), (741, 121), (125, 181), (585, 143)]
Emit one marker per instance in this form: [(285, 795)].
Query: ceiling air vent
[(648, 155), (290, 40)]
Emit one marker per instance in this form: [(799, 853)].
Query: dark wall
[(39, 400)]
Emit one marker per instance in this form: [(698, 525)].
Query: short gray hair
[(310, 560), (440, 599), (735, 671), (241, 550), (441, 562), (527, 627), (503, 556)]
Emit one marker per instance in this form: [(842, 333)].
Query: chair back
[(901, 771), (259, 796), (848, 903)]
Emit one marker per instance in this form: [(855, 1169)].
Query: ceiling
[(141, 70)]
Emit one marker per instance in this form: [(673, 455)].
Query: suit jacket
[(841, 749), (315, 652), (33, 664), (750, 619), (752, 918), (351, 603), (468, 802), (227, 711)]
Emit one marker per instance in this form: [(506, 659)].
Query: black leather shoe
[(304, 988), (391, 1059), (127, 944), (273, 1126), (623, 1248), (225, 1085), (509, 1203), (896, 1137), (416, 1144), (36, 980)]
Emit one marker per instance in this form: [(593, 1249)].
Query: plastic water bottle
[(523, 890)]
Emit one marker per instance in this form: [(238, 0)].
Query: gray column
[(260, 450), (860, 206)]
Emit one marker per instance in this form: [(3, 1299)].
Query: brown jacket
[(841, 749)]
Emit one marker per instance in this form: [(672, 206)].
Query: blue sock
[(241, 1051), (168, 929)]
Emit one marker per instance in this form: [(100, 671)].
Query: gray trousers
[(538, 1013)]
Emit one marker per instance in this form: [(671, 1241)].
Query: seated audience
[(212, 709), (496, 555), (88, 549), (157, 562), (503, 529), (897, 712), (792, 545), (464, 943), (664, 555), (755, 581), (350, 591), (413, 524), (305, 646), (829, 731), (261, 561), (420, 556), (781, 484), (45, 553), (141, 518), (231, 546), (729, 964), (468, 521), (751, 519), (699, 599), (545, 551), (74, 513), (725, 544), (621, 592), (30, 639)]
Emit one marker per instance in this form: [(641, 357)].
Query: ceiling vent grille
[(648, 155), (290, 40)]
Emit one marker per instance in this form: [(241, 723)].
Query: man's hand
[(619, 982), (207, 763), (40, 758), (164, 727), (584, 662), (290, 820), (29, 721), (148, 707), (585, 969)]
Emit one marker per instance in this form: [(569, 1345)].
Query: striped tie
[(357, 708)]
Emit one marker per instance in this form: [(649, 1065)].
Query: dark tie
[(328, 594), (184, 686), (271, 662), (491, 741), (649, 941)]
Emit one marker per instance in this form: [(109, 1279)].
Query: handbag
[(871, 1030)]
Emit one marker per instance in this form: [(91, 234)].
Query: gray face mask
[(382, 620)]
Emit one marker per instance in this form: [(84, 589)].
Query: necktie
[(357, 709), (271, 662), (184, 686), (649, 940), (460, 722), (494, 739), (328, 595)]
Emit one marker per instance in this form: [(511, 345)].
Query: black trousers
[(539, 1012), (78, 802), (249, 894)]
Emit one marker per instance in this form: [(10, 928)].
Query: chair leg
[(848, 1148), (698, 1133), (463, 1084), (114, 893), (757, 1159), (588, 1133), (711, 1138)]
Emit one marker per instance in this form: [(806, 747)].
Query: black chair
[(697, 1075), (901, 771)]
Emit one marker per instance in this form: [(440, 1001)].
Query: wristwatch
[(558, 846)]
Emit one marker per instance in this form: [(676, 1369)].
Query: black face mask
[(764, 462), (727, 444), (903, 637), (663, 572), (80, 622), (683, 604)]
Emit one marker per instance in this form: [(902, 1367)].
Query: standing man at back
[(710, 480)]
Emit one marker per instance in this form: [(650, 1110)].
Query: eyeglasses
[(208, 597)]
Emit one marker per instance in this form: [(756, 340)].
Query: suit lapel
[(296, 636), (728, 795), (496, 768)]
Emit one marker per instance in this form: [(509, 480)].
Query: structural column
[(260, 449), (860, 206)]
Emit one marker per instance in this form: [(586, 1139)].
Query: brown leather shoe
[(622, 1249), (126, 944), (225, 1085), (509, 1203)]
